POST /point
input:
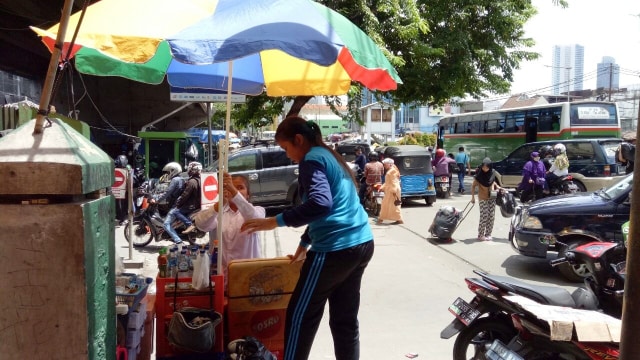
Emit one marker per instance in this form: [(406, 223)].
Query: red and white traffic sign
[(209, 189), (119, 188)]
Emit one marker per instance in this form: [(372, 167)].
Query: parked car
[(348, 149), (273, 177), (576, 219), (592, 163)]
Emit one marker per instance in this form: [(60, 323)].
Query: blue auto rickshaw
[(416, 173)]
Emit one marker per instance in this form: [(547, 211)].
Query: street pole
[(568, 84)]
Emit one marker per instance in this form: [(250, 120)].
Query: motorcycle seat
[(549, 295)]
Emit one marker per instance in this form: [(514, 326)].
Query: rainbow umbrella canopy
[(283, 47)]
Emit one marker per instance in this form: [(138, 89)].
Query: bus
[(496, 133)]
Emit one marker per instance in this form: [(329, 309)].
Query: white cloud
[(604, 28)]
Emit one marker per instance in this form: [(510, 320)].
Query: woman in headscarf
[(485, 181), (392, 192), (533, 181)]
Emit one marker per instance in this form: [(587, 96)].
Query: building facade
[(608, 74), (567, 68)]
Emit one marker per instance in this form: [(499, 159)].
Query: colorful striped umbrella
[(286, 47)]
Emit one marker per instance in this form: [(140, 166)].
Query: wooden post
[(47, 88)]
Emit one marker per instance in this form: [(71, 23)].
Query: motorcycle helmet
[(194, 168), (440, 153), (373, 156), (173, 169), (559, 149), (585, 299), (545, 151), (121, 161)]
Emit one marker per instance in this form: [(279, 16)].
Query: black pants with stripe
[(336, 277)]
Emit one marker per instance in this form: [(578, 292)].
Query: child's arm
[(247, 209)]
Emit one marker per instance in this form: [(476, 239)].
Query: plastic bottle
[(183, 262), (163, 263), (193, 255), (173, 262)]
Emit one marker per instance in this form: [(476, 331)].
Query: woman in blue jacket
[(337, 243)]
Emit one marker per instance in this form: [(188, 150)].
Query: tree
[(441, 49)]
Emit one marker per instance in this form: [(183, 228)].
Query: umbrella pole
[(210, 142), (223, 163), (47, 88)]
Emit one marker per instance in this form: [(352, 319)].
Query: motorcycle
[(488, 317), (606, 264), (148, 225), (443, 188), (373, 199), (560, 186)]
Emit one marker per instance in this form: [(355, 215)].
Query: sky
[(603, 27)]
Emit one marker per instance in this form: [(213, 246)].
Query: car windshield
[(618, 189)]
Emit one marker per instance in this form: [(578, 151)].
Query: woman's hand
[(259, 224), (473, 199)]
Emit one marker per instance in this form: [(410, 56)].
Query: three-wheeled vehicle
[(416, 174)]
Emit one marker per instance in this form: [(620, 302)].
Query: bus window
[(491, 126)]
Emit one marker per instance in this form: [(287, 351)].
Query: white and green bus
[(496, 133)]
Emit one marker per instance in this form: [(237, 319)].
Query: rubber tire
[(581, 187), (567, 270), (496, 329), (139, 241), (376, 210), (430, 200)]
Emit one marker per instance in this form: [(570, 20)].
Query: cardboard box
[(588, 325), (253, 277)]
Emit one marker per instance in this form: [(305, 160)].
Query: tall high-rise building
[(608, 74), (567, 69)]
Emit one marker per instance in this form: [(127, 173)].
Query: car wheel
[(430, 200), (580, 186), (574, 273)]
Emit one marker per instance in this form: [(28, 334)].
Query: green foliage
[(441, 50), (420, 139)]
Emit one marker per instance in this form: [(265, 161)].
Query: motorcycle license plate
[(498, 351), (444, 186), (463, 311)]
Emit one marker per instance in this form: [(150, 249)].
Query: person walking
[(337, 243), (533, 180), (485, 181), (392, 200), (464, 164)]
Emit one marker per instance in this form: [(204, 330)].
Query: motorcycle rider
[(187, 203), (440, 165), (171, 175), (361, 161), (560, 165), (532, 184), (373, 172)]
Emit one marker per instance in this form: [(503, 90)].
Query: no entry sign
[(119, 188), (209, 189)]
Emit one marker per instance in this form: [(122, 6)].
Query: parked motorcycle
[(606, 264), (533, 341), (488, 317), (443, 187), (373, 199), (148, 225)]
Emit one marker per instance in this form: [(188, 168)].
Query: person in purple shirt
[(532, 184), (441, 163)]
